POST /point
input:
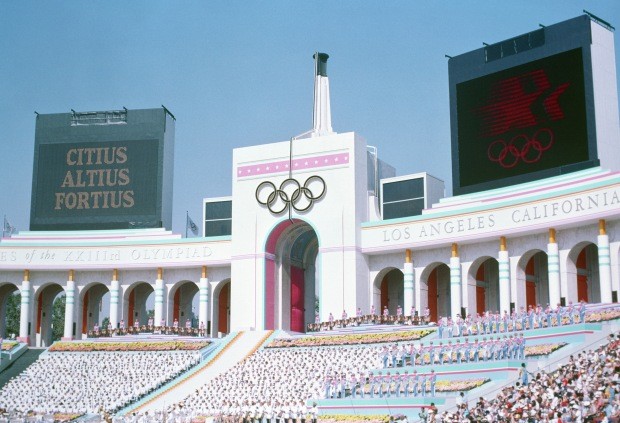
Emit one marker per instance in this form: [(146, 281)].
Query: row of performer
[(492, 322), (187, 330), (414, 384), (372, 318), (507, 347)]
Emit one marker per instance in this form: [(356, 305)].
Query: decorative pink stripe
[(298, 164)]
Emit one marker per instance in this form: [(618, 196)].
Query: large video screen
[(522, 120), (96, 181)]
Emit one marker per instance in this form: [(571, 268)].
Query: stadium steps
[(235, 349), (20, 364)]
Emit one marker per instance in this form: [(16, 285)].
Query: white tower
[(322, 115)]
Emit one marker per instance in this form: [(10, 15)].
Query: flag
[(191, 225), (7, 229)]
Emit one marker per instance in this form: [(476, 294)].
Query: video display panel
[(109, 181), (529, 118)]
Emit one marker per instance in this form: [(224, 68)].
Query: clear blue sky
[(241, 73)]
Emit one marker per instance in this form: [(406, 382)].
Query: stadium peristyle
[(326, 287)]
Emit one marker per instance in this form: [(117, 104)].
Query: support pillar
[(159, 297), (455, 282), (215, 321), (203, 305), (114, 297), (604, 263), (408, 290), (553, 264), (69, 308), (504, 276), (24, 312)]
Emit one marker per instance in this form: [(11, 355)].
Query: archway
[(182, 304), (91, 306), (486, 275), (49, 306), (583, 273), (391, 287), (10, 306), (436, 277), (220, 308), (135, 301), (291, 276), (535, 267)]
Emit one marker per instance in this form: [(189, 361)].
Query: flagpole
[(186, 221), (3, 225)]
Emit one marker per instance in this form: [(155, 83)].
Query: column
[(408, 284), (214, 311), (604, 263), (455, 282), (504, 276), (203, 305), (553, 264), (69, 307), (159, 297), (114, 297), (24, 312)]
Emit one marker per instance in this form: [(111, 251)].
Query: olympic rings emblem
[(291, 194), (521, 147)]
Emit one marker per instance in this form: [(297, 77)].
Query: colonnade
[(119, 309), (511, 288)]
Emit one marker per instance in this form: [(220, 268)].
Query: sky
[(240, 73)]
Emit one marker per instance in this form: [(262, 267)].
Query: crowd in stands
[(85, 382), (586, 389), (277, 382), (185, 330)]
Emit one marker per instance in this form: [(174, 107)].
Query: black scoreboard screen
[(525, 119)]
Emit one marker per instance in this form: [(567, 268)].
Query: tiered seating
[(85, 382)]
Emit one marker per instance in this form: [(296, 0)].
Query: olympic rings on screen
[(290, 194), (520, 147)]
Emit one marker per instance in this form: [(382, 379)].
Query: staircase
[(240, 347), (19, 365)]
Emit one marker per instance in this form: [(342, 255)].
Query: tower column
[(408, 290), (455, 282), (159, 297), (553, 260), (604, 263), (203, 306), (504, 276), (114, 297), (24, 312), (69, 307)]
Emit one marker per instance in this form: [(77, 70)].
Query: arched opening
[(224, 309), (220, 307), (10, 306), (436, 278), (391, 287), (137, 303), (183, 304), (291, 276), (91, 307), (536, 280), (49, 306), (583, 274), (487, 285)]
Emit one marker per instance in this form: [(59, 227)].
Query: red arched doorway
[(392, 291), (290, 276), (223, 313), (438, 296)]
